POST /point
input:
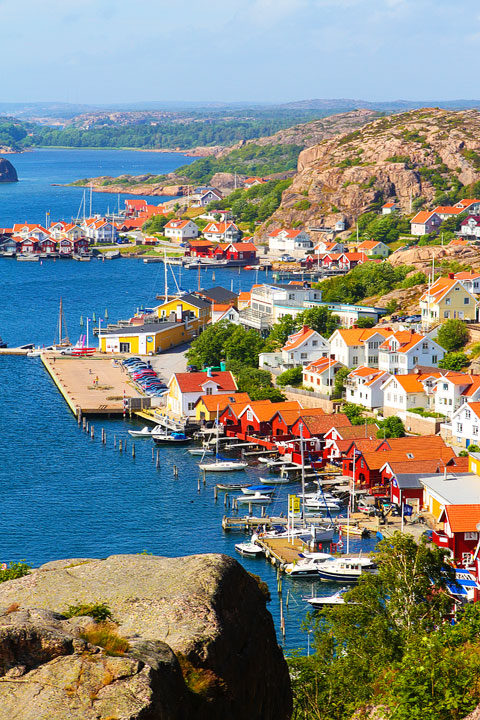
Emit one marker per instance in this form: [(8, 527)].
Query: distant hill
[(429, 154), (388, 106)]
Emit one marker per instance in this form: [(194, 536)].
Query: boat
[(278, 480), (249, 549), (307, 567), (144, 432), (252, 489), (2, 343), (320, 503), (222, 464), (255, 499), (232, 487), (345, 569), (355, 531), (200, 451), (174, 438), (28, 258), (335, 599)]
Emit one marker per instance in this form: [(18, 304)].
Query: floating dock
[(90, 385)]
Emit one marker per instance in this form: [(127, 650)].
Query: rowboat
[(274, 480), (201, 451), (231, 487), (223, 466)]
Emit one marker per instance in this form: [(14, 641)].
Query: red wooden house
[(65, 247), (47, 245), (333, 437), (28, 246), (255, 418), (199, 248), (81, 246), (241, 252), (460, 534), (283, 421), (230, 416)]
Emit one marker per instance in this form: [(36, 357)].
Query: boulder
[(201, 643), (7, 171)]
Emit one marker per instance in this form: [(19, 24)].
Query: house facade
[(185, 389), (403, 350), (424, 223), (447, 298), (364, 386), (181, 230), (293, 242), (225, 232), (320, 375), (357, 346), (303, 347)]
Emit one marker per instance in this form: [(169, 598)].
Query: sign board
[(149, 338), (294, 503)]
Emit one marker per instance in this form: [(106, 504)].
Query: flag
[(407, 510)]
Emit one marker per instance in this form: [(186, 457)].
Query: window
[(475, 430), (425, 345), (314, 343), (303, 356), (466, 301), (445, 386), (466, 556), (448, 301), (191, 406), (470, 536), (467, 414), (446, 314), (355, 359), (209, 391), (457, 288), (434, 359), (410, 456), (459, 427)]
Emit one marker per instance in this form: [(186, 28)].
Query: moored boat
[(174, 438), (307, 567), (144, 432), (223, 466), (249, 549), (345, 569), (278, 480), (201, 451), (232, 487), (252, 489), (256, 499), (335, 599)]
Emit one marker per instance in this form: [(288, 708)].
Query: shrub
[(105, 635), (302, 205), (199, 681), (454, 361), (293, 376), (474, 448), (453, 335), (98, 611), (12, 571)]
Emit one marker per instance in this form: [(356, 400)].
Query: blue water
[(62, 494), (34, 194)]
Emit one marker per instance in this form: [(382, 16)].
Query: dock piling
[(125, 445), (114, 441), (92, 432), (153, 454), (84, 423), (175, 471), (225, 499), (215, 493), (79, 416), (133, 451), (120, 445), (158, 460)]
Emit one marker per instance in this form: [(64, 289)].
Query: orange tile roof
[(373, 373), (238, 407), (319, 424), (406, 339), (218, 228), (389, 204), (369, 244), (416, 466), (448, 209), (422, 217), (290, 416), (473, 387), (298, 338), (467, 275), (360, 432), (463, 518), (194, 381), (222, 401), (321, 365), (177, 224), (264, 413), (287, 231), (458, 241), (466, 202), (439, 289), (357, 336)]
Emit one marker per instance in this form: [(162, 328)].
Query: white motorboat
[(249, 549), (223, 466), (345, 569), (335, 599), (316, 503), (256, 499), (144, 432), (274, 480), (307, 567), (201, 451)]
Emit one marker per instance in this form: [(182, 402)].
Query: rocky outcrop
[(420, 258), (405, 156), (201, 643), (7, 171)]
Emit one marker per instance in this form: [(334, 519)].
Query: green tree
[(354, 413), (209, 347), (320, 319), (365, 322), (453, 335), (339, 384), (279, 333), (454, 361), (244, 345), (391, 427), (256, 382), (156, 224), (293, 376)]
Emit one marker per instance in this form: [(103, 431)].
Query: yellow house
[(147, 339), (474, 463), (207, 405), (189, 307), (447, 298)]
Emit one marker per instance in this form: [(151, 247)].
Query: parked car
[(287, 258)]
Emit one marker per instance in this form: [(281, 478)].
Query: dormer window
[(209, 391), (410, 456)]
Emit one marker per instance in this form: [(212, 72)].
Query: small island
[(7, 171)]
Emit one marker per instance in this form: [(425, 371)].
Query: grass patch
[(105, 635), (100, 612), (426, 413), (200, 681), (12, 571)]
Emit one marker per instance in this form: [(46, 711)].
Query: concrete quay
[(76, 379)]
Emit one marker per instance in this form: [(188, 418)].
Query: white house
[(363, 386), (470, 280), (31, 230), (303, 347), (100, 230), (402, 350), (470, 227), (454, 389), (181, 229), (402, 393), (184, 389), (320, 375), (390, 207), (357, 346), (445, 212), (424, 222), (293, 242), (328, 246), (466, 424), (222, 232), (221, 312), (470, 205)]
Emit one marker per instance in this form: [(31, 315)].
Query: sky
[(106, 51)]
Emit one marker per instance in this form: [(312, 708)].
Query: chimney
[(179, 312), (209, 372), (451, 276)]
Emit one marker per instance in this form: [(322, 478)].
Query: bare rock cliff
[(201, 643), (414, 154), (7, 171)]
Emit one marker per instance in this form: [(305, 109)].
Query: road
[(168, 363)]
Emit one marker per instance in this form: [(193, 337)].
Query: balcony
[(442, 540), (255, 319)]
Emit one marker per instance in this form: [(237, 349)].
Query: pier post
[(153, 454), (225, 499), (263, 511), (125, 445), (92, 432), (133, 451), (114, 441), (158, 460), (204, 477), (84, 423), (250, 509), (86, 426), (79, 416), (120, 445), (215, 493), (175, 471)]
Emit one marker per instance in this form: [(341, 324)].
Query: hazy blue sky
[(274, 50)]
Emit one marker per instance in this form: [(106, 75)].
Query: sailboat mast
[(166, 274), (60, 329), (302, 453)]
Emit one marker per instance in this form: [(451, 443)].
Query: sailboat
[(63, 341), (221, 464)]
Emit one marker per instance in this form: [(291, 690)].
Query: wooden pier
[(89, 385)]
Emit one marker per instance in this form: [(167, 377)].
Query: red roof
[(463, 518), (194, 382)]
